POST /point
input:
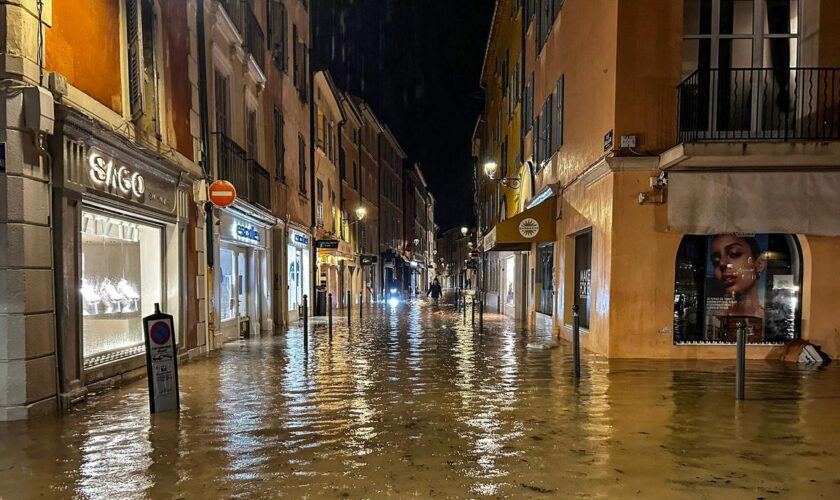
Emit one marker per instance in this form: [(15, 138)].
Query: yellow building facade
[(689, 150)]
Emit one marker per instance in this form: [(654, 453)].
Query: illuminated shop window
[(121, 282), (723, 280)]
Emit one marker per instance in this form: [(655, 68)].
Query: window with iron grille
[(251, 134)]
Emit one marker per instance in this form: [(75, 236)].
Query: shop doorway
[(239, 307)]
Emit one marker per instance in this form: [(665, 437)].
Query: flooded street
[(411, 403)]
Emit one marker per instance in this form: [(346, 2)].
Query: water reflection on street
[(412, 402)]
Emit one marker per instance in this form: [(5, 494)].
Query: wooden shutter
[(560, 97), (135, 58)]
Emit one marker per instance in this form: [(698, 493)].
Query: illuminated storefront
[(122, 225), (244, 267), (297, 271)]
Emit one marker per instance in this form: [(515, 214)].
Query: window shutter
[(135, 58), (560, 96)]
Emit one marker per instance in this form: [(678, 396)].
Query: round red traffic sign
[(222, 194), (160, 332)]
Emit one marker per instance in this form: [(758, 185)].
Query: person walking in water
[(434, 291)]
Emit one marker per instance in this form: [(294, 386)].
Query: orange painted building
[(691, 157)]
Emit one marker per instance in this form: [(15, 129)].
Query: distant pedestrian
[(434, 291)]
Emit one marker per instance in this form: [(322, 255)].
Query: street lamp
[(464, 230), (361, 212), (491, 168)]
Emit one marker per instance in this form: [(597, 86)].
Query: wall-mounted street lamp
[(491, 168), (361, 212), (464, 230)]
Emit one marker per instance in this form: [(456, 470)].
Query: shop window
[(723, 280), (228, 284), (545, 266), (583, 277), (122, 269)]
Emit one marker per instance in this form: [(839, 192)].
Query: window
[(544, 128), (356, 175), (302, 164), (278, 34), (279, 146), (143, 73), (342, 164), (547, 11), (121, 280), (583, 277), (222, 108), (251, 134), (319, 203), (725, 279), (559, 97)]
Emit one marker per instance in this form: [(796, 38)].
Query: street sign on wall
[(222, 193), (161, 361)]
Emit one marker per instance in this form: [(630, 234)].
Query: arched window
[(725, 279)]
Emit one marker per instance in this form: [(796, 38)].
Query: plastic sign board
[(327, 244), (222, 194), (161, 361)]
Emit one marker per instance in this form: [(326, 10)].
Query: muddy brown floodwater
[(412, 404)]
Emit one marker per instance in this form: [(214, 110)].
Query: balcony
[(760, 104), (251, 180), (245, 21)]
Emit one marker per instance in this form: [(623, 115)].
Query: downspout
[(379, 208), (204, 162), (312, 131)]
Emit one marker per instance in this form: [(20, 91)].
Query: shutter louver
[(135, 58)]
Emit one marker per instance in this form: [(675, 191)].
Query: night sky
[(418, 63)]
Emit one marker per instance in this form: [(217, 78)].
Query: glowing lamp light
[(464, 230), (361, 212), (393, 302), (490, 169)]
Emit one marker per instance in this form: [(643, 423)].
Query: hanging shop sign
[(327, 244), (222, 193), (298, 239), (369, 260), (161, 361)]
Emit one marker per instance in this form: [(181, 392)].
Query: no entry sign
[(161, 362), (222, 193)]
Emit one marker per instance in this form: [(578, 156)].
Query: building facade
[(670, 158), (391, 164)]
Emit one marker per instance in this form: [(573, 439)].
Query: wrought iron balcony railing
[(760, 104), (251, 180)]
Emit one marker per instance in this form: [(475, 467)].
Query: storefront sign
[(116, 179), (529, 228), (369, 260), (248, 233), (161, 361), (299, 239), (327, 244)]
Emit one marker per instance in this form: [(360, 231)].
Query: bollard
[(576, 338), (329, 313), (305, 323), (361, 303), (473, 311), (740, 368), (464, 307), (457, 298), (349, 308), (481, 317)]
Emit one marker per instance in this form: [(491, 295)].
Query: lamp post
[(491, 168)]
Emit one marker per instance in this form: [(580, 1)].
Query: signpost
[(222, 193), (161, 361)]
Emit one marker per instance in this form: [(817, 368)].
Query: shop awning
[(520, 231), (710, 202)]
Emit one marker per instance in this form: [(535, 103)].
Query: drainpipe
[(313, 126), (205, 128)]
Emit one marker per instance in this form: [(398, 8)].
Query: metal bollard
[(361, 303), (481, 317), (740, 368), (349, 308), (329, 312), (305, 323), (576, 338)]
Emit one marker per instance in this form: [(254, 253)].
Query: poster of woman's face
[(724, 280)]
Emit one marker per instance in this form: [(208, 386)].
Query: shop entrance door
[(236, 291)]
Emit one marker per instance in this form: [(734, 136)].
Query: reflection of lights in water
[(393, 302)]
